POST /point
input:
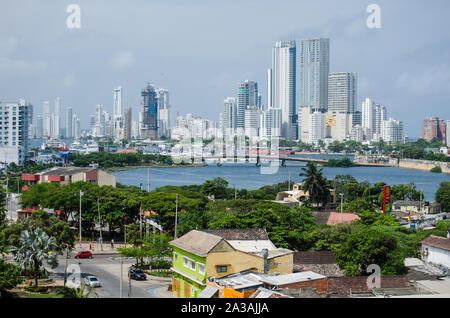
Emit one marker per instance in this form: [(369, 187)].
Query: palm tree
[(316, 184), (83, 291), (35, 248)]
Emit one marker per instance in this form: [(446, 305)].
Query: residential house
[(436, 251), (202, 255), (417, 207)]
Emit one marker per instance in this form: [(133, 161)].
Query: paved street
[(107, 269)]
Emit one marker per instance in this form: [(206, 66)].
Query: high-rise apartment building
[(229, 117), (14, 131), (283, 86), (127, 124), (373, 115), (252, 121), (247, 97), (434, 128), (56, 131), (164, 125), (314, 67), (342, 96), (392, 131), (317, 127), (47, 119), (69, 123), (149, 111)]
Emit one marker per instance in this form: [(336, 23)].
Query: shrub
[(436, 169)]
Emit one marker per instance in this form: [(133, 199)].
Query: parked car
[(83, 254), (92, 281), (137, 274)]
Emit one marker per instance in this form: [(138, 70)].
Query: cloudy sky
[(201, 49)]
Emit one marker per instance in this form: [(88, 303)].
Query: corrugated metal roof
[(292, 278), (208, 292), (252, 246)]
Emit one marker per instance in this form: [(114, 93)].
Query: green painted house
[(189, 261)]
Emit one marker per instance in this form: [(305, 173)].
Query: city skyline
[(411, 79)]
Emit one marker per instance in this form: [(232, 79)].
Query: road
[(107, 269)]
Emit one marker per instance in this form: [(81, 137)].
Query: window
[(175, 255), (192, 265), (185, 262), (221, 269), (201, 268)]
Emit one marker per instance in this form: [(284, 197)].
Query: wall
[(421, 164), (321, 285), (437, 256), (106, 179)]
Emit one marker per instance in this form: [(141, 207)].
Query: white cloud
[(122, 60), (434, 80), (11, 65)]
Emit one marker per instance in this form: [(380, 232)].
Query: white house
[(436, 251)]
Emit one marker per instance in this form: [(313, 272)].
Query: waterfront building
[(342, 92), (56, 131), (164, 125), (14, 131), (67, 175), (229, 117), (149, 111), (339, 125), (117, 114), (247, 97), (317, 128), (252, 121), (47, 119), (433, 128), (314, 65), (39, 127), (373, 115), (392, 131), (283, 86), (127, 124), (69, 123)]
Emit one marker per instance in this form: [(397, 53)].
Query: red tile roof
[(337, 218), (314, 257), (437, 241)]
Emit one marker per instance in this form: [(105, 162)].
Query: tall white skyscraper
[(373, 115), (164, 125), (252, 121), (57, 119), (314, 62), (392, 131), (14, 131), (342, 96), (247, 97), (47, 119), (117, 114), (317, 128), (69, 123), (283, 90), (229, 117)]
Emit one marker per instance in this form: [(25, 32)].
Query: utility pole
[(342, 207), (176, 215), (289, 186), (81, 193), (100, 225)]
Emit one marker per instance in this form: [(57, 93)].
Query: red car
[(83, 254)]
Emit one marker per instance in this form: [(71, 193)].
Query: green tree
[(316, 184), (370, 246), (216, 187), (442, 196), (9, 276), (35, 248)]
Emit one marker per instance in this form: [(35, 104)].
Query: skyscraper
[(433, 128), (149, 111), (373, 115), (47, 120), (163, 113), (57, 119), (69, 123), (342, 96), (229, 117), (14, 128), (117, 115), (127, 124), (283, 88), (247, 96), (314, 64), (392, 131)]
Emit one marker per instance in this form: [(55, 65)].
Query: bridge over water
[(282, 159)]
